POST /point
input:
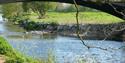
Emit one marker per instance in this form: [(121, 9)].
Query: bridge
[(113, 7)]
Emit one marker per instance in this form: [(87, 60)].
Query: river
[(64, 49)]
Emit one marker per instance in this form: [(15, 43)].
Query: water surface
[(64, 49)]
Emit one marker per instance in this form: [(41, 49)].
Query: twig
[(115, 9), (78, 29)]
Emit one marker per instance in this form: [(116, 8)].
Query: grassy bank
[(13, 56), (84, 18)]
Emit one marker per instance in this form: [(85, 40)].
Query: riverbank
[(10, 55), (87, 31), (64, 47), (93, 25)]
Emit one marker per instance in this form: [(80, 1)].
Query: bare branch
[(78, 28), (115, 9), (105, 29)]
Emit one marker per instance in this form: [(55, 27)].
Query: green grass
[(5, 48), (84, 18)]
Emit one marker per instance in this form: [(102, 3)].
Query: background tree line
[(14, 10)]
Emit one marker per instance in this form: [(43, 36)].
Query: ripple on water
[(71, 50)]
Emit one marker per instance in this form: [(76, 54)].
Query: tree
[(40, 8), (25, 6), (11, 10)]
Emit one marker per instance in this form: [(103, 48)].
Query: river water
[(63, 49)]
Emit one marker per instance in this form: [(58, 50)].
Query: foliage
[(40, 8), (53, 24), (12, 9), (25, 6), (31, 25), (5, 49)]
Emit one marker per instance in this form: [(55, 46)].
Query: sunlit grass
[(84, 18)]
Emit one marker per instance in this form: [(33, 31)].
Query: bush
[(54, 24)]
